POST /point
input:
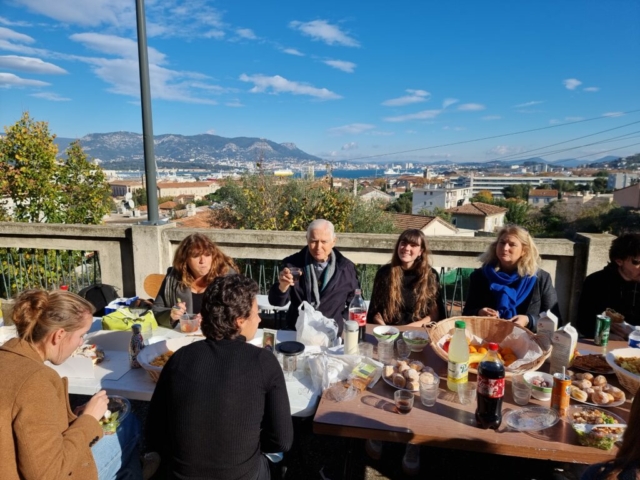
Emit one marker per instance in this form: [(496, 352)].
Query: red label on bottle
[(490, 387), (360, 317)]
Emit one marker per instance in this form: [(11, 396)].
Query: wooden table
[(372, 415)]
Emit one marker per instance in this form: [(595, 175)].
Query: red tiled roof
[(403, 221), (184, 184), (477, 208), (168, 205), (541, 192)]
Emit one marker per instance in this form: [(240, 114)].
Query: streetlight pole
[(147, 124)]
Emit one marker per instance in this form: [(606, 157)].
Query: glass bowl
[(416, 339)]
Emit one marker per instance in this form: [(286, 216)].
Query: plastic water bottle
[(458, 368), (634, 338), (358, 313)]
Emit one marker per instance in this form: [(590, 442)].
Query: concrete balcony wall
[(130, 253)]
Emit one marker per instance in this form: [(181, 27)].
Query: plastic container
[(350, 337), (118, 408), (189, 323), (358, 313), (591, 435), (416, 339), (537, 391), (458, 366), (634, 338), (491, 380)]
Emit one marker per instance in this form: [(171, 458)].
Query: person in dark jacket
[(221, 404), (196, 263), (407, 290), (327, 282), (510, 285), (615, 287)]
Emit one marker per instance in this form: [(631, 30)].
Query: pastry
[(388, 371), (399, 380), (614, 391), (600, 398), (600, 380), (417, 365), (581, 384), (578, 394), (411, 374), (413, 385)]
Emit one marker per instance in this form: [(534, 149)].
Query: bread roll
[(601, 398), (411, 374), (417, 365), (388, 371), (588, 376), (413, 385), (578, 394), (582, 384), (399, 380), (600, 380), (615, 392)]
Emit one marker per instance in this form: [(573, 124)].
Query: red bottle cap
[(493, 347)]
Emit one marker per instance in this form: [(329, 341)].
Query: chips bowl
[(150, 352)]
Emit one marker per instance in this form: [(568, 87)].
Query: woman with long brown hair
[(196, 263), (407, 290)]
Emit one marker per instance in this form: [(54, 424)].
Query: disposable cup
[(404, 401), (467, 392), (385, 352), (429, 390), (365, 349), (521, 391)]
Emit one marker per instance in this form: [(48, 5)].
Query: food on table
[(600, 381), (388, 371), (582, 384), (362, 375), (416, 365), (92, 352), (428, 378), (601, 393), (401, 374), (541, 382), (630, 364), (399, 380), (477, 353), (614, 391), (578, 394), (411, 374), (161, 360), (109, 422), (402, 366), (591, 426), (614, 316), (413, 385), (593, 362), (584, 376), (189, 327)]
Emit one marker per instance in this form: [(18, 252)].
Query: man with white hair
[(325, 279)]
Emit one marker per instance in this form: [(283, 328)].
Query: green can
[(603, 324)]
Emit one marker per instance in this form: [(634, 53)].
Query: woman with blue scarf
[(510, 285)]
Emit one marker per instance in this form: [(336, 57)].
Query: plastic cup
[(404, 401), (365, 349), (429, 388), (467, 392), (385, 352), (521, 391), (296, 272), (189, 323), (404, 350), (289, 365)]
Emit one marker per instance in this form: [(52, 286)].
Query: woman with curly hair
[(510, 284), (407, 290), (196, 263)]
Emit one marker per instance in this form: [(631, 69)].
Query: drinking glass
[(404, 401), (289, 365), (365, 349), (296, 272), (429, 386), (404, 350), (467, 392), (385, 352), (521, 391)]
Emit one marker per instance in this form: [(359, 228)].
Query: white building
[(445, 198), (495, 184), (616, 181)]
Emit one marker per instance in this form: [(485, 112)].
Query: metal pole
[(147, 124)]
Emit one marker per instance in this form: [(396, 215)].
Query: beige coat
[(40, 437)]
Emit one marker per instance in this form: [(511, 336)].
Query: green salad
[(109, 422), (598, 435)]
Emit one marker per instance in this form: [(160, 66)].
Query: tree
[(600, 185), (402, 204), (139, 197), (44, 189), (440, 212), (520, 191), (484, 196)]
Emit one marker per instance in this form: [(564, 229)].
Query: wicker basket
[(149, 353), (490, 330), (627, 379)]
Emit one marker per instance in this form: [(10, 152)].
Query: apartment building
[(444, 198), (495, 184)]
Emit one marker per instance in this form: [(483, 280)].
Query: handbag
[(124, 319), (98, 294)]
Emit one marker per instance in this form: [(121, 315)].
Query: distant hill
[(126, 146), (630, 162)]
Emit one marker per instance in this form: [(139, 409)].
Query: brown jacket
[(40, 437)]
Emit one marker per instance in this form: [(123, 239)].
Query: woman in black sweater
[(221, 403)]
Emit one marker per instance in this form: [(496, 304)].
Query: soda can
[(560, 393), (601, 337)]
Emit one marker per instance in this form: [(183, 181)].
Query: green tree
[(438, 212), (517, 210), (139, 197), (520, 191), (402, 204), (600, 185), (484, 196)]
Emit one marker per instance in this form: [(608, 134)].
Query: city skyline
[(340, 81)]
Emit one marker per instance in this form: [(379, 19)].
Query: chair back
[(152, 284)]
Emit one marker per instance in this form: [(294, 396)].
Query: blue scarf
[(509, 290)]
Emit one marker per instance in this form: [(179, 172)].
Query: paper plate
[(531, 418)]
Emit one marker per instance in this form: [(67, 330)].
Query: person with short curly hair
[(221, 404), (197, 261), (615, 287), (510, 284)]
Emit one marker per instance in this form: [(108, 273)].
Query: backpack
[(99, 295)]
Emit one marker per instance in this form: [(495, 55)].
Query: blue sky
[(342, 80)]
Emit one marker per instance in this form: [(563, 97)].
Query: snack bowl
[(537, 391), (386, 333), (189, 323), (118, 409), (595, 435), (151, 352), (416, 339)]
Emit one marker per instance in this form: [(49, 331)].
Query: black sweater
[(217, 406)]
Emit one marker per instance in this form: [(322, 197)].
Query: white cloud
[(117, 46), (234, 104), (415, 96), (81, 12), (13, 36), (529, 104), (211, 131), (351, 129), (349, 146), (471, 107), (503, 150), (491, 117), (447, 102), (293, 51), (591, 89), (613, 114), (325, 32), (9, 80), (571, 83), (343, 65), (54, 97), (11, 23), (246, 33), (528, 110), (573, 119), (554, 121), (278, 84), (423, 115), (30, 65)]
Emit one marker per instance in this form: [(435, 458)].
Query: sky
[(344, 80)]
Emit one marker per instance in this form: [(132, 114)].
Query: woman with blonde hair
[(196, 263), (40, 438), (407, 290), (510, 284)]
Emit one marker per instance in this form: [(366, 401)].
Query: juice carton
[(564, 341), (547, 324)]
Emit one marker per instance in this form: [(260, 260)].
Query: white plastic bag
[(313, 328)]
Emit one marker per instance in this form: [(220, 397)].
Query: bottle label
[(360, 317), (490, 387), (458, 372)]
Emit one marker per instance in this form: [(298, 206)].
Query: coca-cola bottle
[(490, 389), (358, 313)]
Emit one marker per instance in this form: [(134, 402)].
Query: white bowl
[(541, 393), (416, 339), (386, 333), (150, 352)]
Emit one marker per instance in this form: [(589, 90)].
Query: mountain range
[(126, 146)]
